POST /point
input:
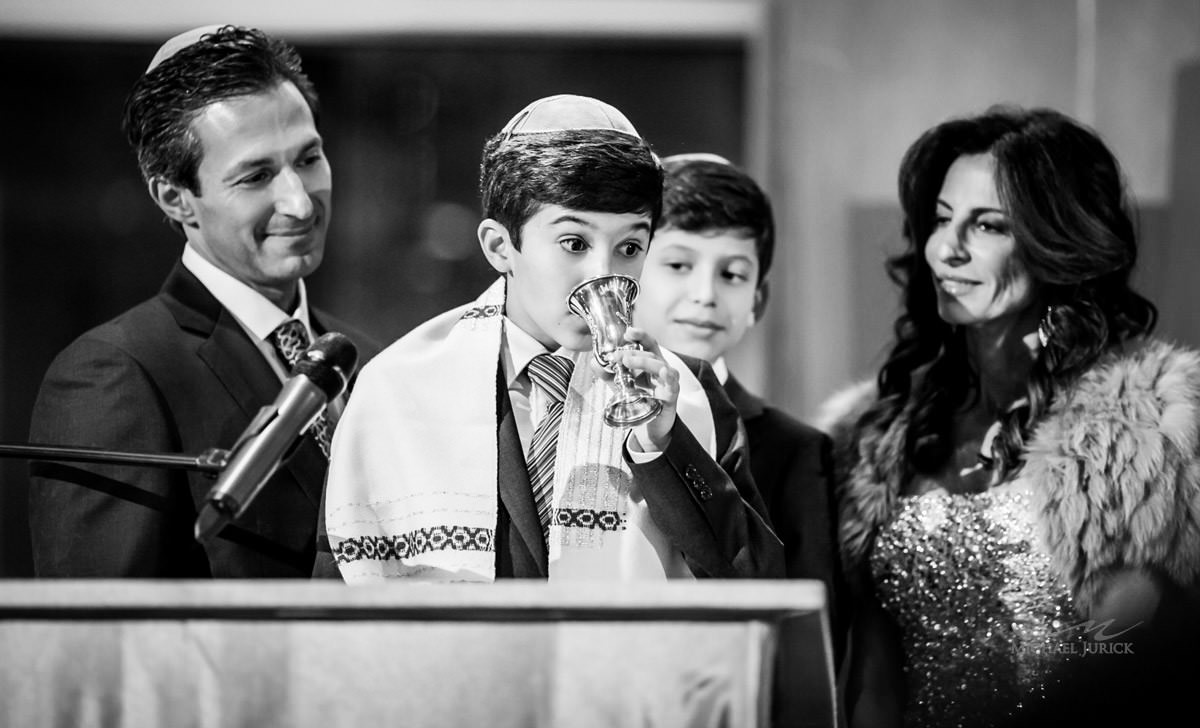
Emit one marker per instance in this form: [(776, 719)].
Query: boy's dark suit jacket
[(792, 464), (175, 374), (711, 511)]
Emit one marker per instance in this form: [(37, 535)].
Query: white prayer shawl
[(412, 485)]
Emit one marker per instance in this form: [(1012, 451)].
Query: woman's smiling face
[(972, 252)]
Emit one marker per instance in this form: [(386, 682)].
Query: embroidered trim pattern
[(406, 546), (587, 518), (482, 312)]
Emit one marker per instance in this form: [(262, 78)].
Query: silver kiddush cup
[(606, 304)]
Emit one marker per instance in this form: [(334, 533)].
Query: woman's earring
[(1044, 327)]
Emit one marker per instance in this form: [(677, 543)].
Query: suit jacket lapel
[(513, 482), (748, 405), (238, 364)]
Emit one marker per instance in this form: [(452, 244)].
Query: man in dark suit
[(223, 125), (703, 287)]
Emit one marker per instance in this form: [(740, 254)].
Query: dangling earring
[(1045, 327)]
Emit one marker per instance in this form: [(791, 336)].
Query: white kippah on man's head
[(179, 42)]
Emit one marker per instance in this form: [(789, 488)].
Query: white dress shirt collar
[(721, 369), (257, 315), (518, 350)]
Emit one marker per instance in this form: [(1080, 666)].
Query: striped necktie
[(550, 373), (291, 341)]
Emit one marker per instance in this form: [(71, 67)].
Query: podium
[(510, 655)]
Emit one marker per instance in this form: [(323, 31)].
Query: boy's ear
[(760, 303), (497, 245), (173, 200)]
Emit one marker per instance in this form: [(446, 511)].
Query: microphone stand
[(212, 461)]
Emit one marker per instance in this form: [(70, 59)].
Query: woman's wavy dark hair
[(1064, 194)]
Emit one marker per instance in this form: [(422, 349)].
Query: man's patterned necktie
[(551, 374), (291, 341)]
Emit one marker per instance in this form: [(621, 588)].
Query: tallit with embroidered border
[(412, 484)]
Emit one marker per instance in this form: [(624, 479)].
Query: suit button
[(696, 481)]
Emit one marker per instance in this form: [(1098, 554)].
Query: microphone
[(319, 376)]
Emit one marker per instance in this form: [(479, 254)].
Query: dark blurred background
[(819, 98)]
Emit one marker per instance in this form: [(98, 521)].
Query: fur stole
[(1115, 466)]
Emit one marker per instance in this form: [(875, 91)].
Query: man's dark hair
[(582, 169), (707, 196), (224, 64)]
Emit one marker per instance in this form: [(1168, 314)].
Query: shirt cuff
[(634, 446)]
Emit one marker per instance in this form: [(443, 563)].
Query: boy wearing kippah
[(703, 287), (442, 465)]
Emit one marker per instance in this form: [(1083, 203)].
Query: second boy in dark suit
[(703, 287)]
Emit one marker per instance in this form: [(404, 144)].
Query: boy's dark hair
[(597, 170), (702, 194), (220, 65)]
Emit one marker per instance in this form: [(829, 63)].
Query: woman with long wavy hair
[(1020, 485)]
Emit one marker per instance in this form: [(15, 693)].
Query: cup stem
[(630, 406)]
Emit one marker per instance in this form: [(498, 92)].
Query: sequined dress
[(984, 620)]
